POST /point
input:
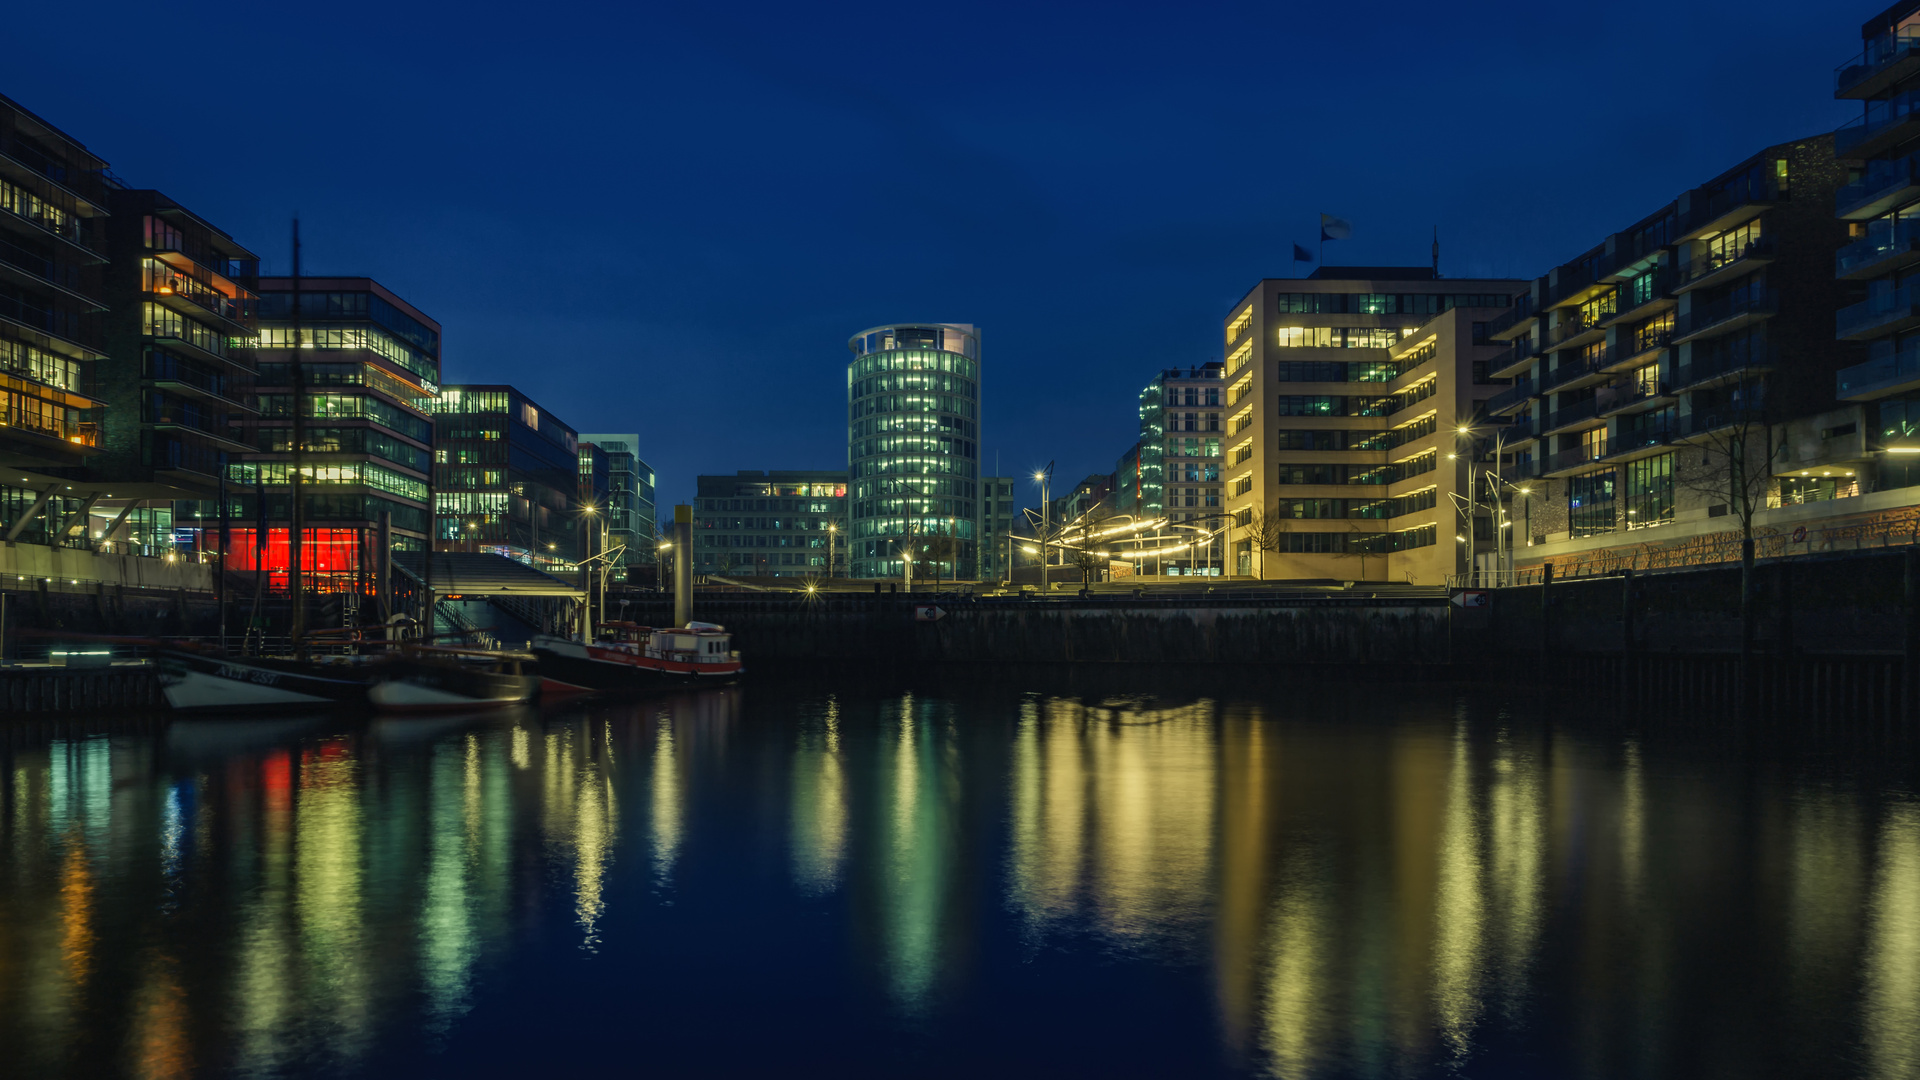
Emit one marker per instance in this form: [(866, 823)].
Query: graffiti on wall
[(1887, 528)]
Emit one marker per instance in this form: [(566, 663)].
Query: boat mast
[(297, 519)]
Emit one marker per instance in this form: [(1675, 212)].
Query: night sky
[(669, 221)]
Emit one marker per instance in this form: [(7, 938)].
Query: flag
[(1333, 228), (1301, 254)]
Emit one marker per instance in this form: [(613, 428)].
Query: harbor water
[(1014, 874)]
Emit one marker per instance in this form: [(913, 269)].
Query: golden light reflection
[(667, 797), (1892, 1021), (1153, 778), (328, 851), (1460, 908), (159, 1042), (1049, 817), (819, 811), (522, 747), (446, 933), (1298, 1013)]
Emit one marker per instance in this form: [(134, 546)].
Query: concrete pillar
[(682, 564)]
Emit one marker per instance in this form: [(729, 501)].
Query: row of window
[(1339, 337), (711, 540), (800, 524), (1383, 303), (372, 338), (914, 403), (39, 364), (897, 358), (379, 478), (337, 406)]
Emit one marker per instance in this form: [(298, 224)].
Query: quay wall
[(1095, 631)]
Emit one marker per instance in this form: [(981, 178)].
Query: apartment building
[(1346, 392), (1880, 206), (777, 523), (1683, 369)]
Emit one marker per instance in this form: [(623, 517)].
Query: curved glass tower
[(913, 429)]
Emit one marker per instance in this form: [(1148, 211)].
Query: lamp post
[(833, 531), (1044, 478), (660, 579)]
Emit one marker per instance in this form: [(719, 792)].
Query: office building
[(370, 364), (1683, 369), (506, 478), (1344, 392), (1179, 472), (913, 421), (630, 513), (783, 523), (1129, 482), (997, 513), (1880, 205)]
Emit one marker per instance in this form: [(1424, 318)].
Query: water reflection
[(1241, 884)]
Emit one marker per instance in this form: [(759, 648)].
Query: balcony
[(1717, 211), (1711, 270), (1726, 315), (1631, 395), (1880, 378), (1519, 431), (1576, 370), (1515, 360), (65, 326), (1887, 61), (1886, 125), (1575, 330), (1512, 397), (196, 299), (1572, 416), (1578, 459), (1889, 245), (1632, 444), (1519, 317), (81, 183), (64, 227), (1519, 471), (1695, 426), (34, 270), (1882, 186), (1658, 299), (1717, 370), (1877, 316)]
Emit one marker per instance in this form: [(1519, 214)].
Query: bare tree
[(1264, 529), (1730, 465), (1085, 543)]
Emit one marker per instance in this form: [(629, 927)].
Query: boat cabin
[(695, 643)]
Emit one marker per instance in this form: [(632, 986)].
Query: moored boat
[(203, 681), (629, 656), (440, 679)]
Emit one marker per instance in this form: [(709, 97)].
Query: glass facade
[(506, 478), (771, 524), (913, 416)]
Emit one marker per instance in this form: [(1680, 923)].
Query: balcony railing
[(1880, 118), (1570, 370), (1880, 54), (1660, 289), (1700, 423), (1705, 211), (1708, 265), (1885, 239), (1572, 414), (1884, 310), (1572, 325), (52, 271), (1511, 396), (1521, 351), (1747, 302), (202, 295), (80, 181), (63, 225), (1523, 308), (66, 324), (1518, 431), (1628, 440), (1625, 393), (1732, 363), (1881, 178), (1875, 377), (1646, 340), (1576, 457)]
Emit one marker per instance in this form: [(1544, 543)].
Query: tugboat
[(447, 679), (629, 656)]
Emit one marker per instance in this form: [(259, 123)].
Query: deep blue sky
[(669, 219)]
